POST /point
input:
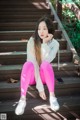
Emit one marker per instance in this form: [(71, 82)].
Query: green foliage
[(70, 22), (77, 2), (65, 1), (72, 26)]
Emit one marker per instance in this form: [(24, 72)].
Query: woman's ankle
[(52, 94), (23, 98)]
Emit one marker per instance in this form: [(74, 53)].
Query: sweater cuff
[(40, 89)]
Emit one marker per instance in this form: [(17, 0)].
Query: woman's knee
[(45, 65), (28, 65)]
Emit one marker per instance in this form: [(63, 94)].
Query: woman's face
[(42, 30)]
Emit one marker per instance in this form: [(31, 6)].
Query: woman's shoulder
[(31, 40)]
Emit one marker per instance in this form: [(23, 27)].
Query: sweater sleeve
[(49, 50), (31, 57)]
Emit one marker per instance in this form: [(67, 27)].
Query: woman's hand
[(48, 38), (42, 95)]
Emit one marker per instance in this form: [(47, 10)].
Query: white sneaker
[(54, 103), (20, 107)]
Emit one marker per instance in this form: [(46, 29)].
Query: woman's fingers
[(43, 95)]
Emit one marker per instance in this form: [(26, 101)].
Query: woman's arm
[(50, 50)]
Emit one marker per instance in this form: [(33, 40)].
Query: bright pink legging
[(28, 76)]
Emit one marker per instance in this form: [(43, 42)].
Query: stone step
[(9, 2), (69, 86), (20, 45), (14, 26), (20, 57), (17, 5), (23, 8), (38, 109), (20, 18), (13, 71), (23, 4), (27, 11), (18, 35)]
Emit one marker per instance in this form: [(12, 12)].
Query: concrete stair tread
[(69, 86), (10, 67), (20, 23), (40, 3), (21, 18), (20, 45), (67, 81), (13, 71), (28, 11), (17, 35), (13, 42), (20, 56), (24, 52), (22, 41), (20, 31), (23, 9), (18, 67), (68, 106), (21, 26), (67, 100)]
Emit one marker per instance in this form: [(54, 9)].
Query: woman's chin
[(42, 37)]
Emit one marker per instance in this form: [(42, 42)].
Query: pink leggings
[(27, 76)]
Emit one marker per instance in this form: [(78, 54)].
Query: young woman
[(41, 50)]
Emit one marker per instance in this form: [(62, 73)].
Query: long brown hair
[(38, 40)]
